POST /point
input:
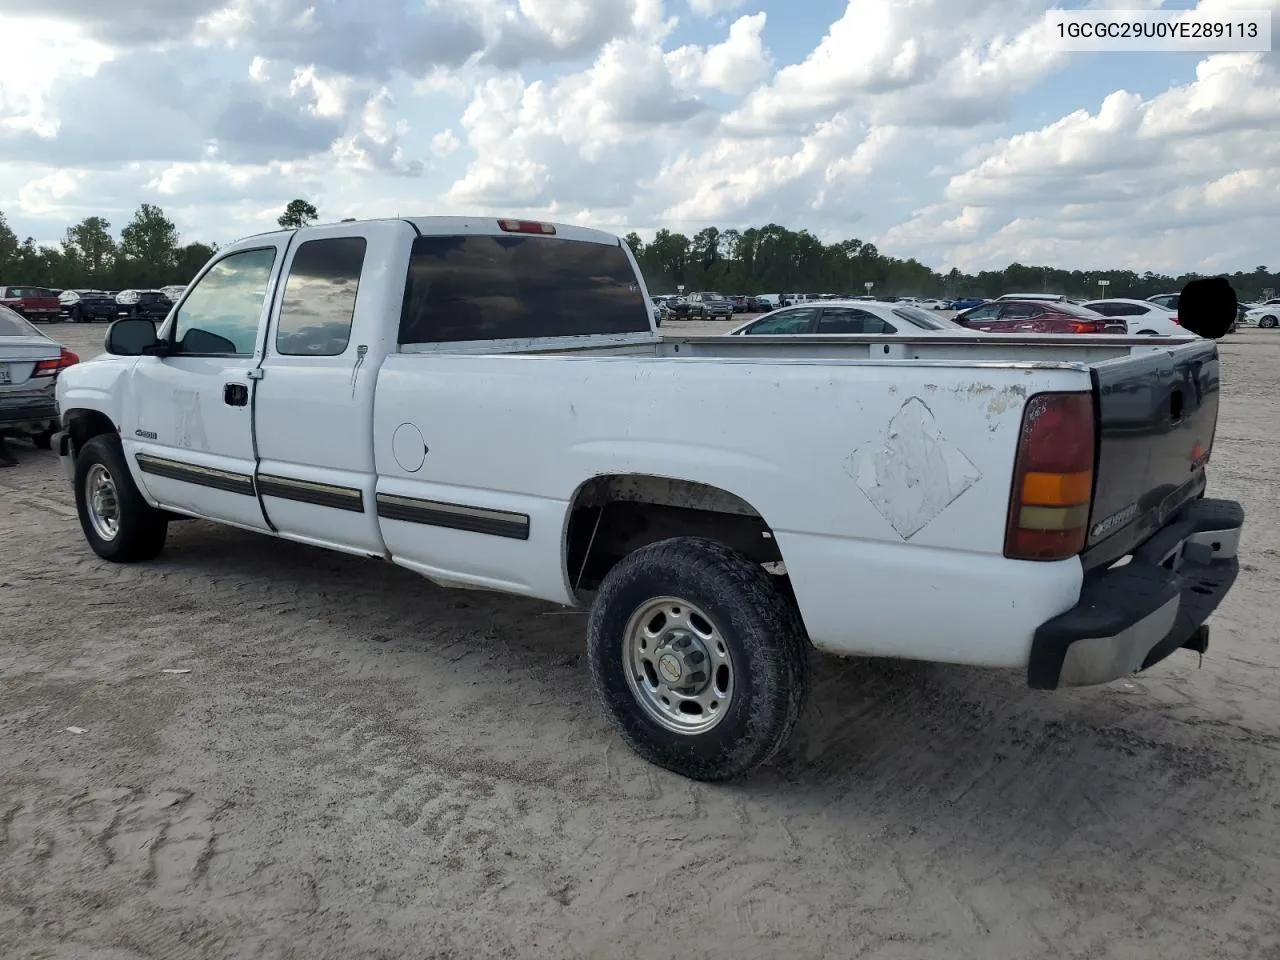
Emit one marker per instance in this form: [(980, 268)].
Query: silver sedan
[(827, 317), (29, 367)]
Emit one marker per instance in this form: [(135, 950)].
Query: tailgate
[(1157, 414)]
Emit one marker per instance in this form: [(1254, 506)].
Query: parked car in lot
[(85, 306), (174, 291), (29, 366), (708, 306), (933, 304), (967, 303), (1265, 317), (1038, 316), (144, 304), (34, 303), (828, 317), (496, 410), (1142, 317)]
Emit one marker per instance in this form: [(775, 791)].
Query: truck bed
[(961, 350)]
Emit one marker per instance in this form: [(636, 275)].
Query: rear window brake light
[(527, 226)]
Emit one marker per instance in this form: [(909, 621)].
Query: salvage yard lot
[(361, 764)]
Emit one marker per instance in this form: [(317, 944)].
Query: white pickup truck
[(487, 402)]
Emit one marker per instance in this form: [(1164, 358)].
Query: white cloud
[(445, 143), (41, 54), (894, 126), (709, 8), (1139, 182), (734, 66)]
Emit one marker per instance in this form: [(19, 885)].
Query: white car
[(488, 403), (850, 316), (1266, 316), (1144, 317), (932, 304)]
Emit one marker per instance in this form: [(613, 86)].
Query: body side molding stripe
[(434, 513), (212, 477), (309, 491)]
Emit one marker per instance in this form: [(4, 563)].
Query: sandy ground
[(360, 764)]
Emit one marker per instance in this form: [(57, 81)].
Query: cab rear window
[(470, 288)]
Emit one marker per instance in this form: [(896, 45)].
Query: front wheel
[(117, 521), (698, 659), (1268, 322)]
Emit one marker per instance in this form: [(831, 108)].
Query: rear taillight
[(1175, 319), (1052, 478), (50, 368), (527, 226), (1088, 326)]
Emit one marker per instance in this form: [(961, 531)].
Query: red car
[(1038, 316), (34, 303)]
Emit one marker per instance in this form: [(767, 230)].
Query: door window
[(221, 313), (319, 300), (1020, 311), (790, 322), (983, 314), (850, 320)]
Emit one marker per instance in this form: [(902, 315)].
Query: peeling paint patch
[(914, 473), (1006, 399), (190, 430)]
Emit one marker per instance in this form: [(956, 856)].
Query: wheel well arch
[(82, 425), (612, 515)]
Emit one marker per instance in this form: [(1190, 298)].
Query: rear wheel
[(697, 657), (117, 521), (43, 441)]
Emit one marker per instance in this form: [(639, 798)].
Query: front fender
[(98, 385)]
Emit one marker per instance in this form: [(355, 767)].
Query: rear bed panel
[(1157, 415)]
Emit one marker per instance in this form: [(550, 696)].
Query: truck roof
[(438, 225)]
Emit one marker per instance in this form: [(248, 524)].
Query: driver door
[(188, 426)]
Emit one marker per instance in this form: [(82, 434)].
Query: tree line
[(769, 259), (773, 259), (147, 254)]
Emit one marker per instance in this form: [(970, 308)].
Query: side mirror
[(131, 338)]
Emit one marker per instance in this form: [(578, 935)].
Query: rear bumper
[(1131, 617), (28, 413)]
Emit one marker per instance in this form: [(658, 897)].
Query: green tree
[(148, 247), (8, 246), (297, 213), (90, 245), (191, 258)]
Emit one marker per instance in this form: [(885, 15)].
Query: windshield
[(12, 325)]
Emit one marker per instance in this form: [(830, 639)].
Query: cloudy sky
[(948, 130)]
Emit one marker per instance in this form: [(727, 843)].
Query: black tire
[(766, 645), (43, 441), (76, 315), (142, 528), (1268, 322)]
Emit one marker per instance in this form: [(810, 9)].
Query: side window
[(1020, 311), (319, 300), (790, 322), (221, 313), (848, 320), (984, 313)]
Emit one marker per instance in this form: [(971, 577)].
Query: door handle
[(235, 395)]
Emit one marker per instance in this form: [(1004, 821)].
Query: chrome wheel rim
[(678, 665), (102, 501)]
